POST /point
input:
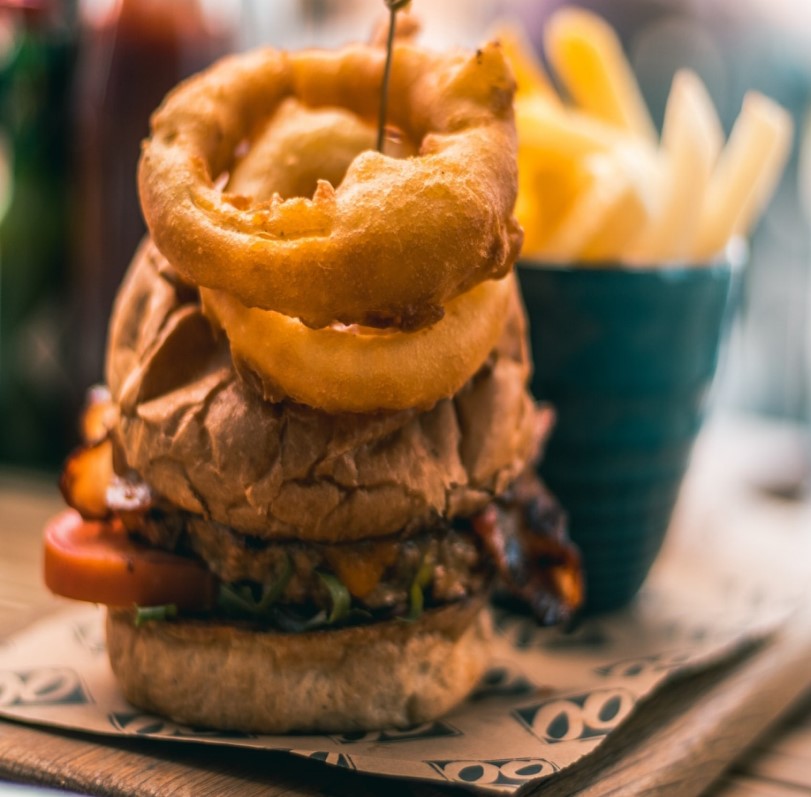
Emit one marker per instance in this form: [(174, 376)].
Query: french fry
[(588, 58), (585, 216), (529, 213), (706, 115), (745, 176), (596, 184), (604, 214), (546, 131), (632, 212), (772, 166), (530, 75), (547, 189), (692, 139)]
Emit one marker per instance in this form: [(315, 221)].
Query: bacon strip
[(525, 535)]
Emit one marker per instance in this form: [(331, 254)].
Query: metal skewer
[(394, 6)]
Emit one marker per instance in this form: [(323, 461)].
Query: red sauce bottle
[(131, 54)]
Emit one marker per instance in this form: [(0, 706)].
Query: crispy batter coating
[(395, 240), (366, 371), (350, 369)]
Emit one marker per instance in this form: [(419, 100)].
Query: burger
[(294, 509)]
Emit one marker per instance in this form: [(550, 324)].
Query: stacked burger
[(315, 455)]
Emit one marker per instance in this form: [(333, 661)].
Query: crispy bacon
[(525, 534), (85, 476), (88, 481), (98, 416)]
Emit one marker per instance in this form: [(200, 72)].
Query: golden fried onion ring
[(365, 370), (300, 146), (296, 146), (389, 246)]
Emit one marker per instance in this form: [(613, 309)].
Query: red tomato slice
[(98, 562)]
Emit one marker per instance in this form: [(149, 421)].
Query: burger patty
[(446, 562), (520, 539)]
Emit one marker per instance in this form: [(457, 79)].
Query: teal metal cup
[(626, 357)]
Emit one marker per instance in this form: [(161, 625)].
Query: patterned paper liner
[(546, 702)]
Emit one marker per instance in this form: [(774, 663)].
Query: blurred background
[(78, 79)]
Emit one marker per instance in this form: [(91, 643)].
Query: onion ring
[(365, 371), (389, 246), (300, 145)]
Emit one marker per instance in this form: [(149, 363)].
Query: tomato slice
[(98, 562)]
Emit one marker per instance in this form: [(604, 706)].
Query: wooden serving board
[(678, 744)]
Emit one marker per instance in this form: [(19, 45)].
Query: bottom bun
[(383, 675)]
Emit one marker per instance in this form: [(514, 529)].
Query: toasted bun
[(383, 675), (201, 436)]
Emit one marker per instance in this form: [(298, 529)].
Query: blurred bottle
[(132, 52), (37, 50)]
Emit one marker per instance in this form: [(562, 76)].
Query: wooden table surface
[(742, 473)]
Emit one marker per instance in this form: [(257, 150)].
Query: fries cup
[(626, 357)]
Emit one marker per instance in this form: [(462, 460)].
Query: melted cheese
[(361, 571)]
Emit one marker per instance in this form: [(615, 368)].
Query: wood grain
[(680, 743), (26, 503), (786, 758), (748, 786), (119, 768)]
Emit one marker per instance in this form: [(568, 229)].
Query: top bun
[(202, 437)]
